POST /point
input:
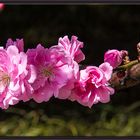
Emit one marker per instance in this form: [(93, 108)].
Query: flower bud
[(113, 57)]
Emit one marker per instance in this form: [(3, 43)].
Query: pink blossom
[(19, 43), (53, 72), (114, 57), (72, 51), (1, 6), (72, 47), (65, 91), (14, 77), (93, 86)]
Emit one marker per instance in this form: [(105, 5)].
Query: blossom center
[(4, 80), (94, 77), (47, 73)]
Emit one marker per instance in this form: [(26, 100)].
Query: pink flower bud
[(113, 57)]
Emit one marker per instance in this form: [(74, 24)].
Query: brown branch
[(131, 76)]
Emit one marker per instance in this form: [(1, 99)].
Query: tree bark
[(131, 77)]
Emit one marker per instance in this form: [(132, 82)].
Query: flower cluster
[(42, 73)]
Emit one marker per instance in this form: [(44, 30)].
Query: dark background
[(100, 27)]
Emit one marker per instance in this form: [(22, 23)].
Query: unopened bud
[(125, 57)]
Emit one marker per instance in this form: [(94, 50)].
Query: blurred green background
[(100, 27)]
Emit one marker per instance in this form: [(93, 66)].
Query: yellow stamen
[(47, 73), (5, 80)]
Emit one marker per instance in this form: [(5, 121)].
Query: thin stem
[(128, 65)]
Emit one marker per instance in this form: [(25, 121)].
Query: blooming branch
[(42, 73)]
